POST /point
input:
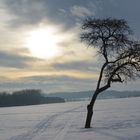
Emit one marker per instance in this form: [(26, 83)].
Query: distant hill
[(82, 95)]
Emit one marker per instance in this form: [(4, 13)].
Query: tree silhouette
[(120, 53)]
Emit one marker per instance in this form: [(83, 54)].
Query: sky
[(40, 46)]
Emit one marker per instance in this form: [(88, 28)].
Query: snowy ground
[(114, 119)]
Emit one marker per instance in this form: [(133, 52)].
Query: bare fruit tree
[(120, 53)]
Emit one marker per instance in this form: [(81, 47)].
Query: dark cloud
[(26, 11), (86, 66), (30, 12), (49, 84), (34, 11), (125, 9), (8, 59), (62, 83)]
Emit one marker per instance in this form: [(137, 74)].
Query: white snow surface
[(113, 119)]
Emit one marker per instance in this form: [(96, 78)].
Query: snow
[(114, 119)]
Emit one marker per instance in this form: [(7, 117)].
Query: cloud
[(33, 12), (26, 11), (61, 83), (80, 11), (86, 66), (62, 11), (49, 84), (12, 60)]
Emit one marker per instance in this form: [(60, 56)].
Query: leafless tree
[(120, 52)]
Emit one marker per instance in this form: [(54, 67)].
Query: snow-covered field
[(114, 119)]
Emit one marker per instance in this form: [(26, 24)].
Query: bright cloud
[(80, 11)]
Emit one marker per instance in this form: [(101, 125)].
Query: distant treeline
[(26, 97)]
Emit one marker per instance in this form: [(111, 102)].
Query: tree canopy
[(114, 41)]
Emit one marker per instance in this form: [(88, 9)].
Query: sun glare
[(42, 43)]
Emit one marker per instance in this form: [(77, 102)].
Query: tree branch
[(118, 79)]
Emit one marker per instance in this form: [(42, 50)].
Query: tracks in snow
[(60, 122)]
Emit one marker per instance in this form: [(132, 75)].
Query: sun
[(43, 43)]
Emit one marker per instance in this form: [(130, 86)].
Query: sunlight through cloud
[(42, 43)]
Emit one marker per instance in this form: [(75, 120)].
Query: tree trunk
[(89, 116), (90, 111)]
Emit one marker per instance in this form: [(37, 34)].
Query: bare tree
[(121, 54)]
